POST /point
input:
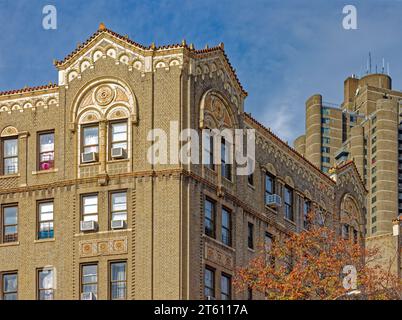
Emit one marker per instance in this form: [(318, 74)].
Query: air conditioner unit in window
[(119, 153), (88, 296), (211, 298), (117, 224), (89, 157), (274, 200), (88, 225)]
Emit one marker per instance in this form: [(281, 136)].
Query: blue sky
[(283, 51)]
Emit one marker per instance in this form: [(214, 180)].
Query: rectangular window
[(226, 287), (45, 218), (209, 219), (288, 203), (345, 232), (325, 149), (118, 206), (326, 159), (226, 227), (325, 111), (355, 236), (90, 139), (89, 280), (119, 136), (45, 284), (306, 212), (10, 223), (9, 286), (118, 280), (325, 120), (225, 160), (325, 131), (250, 235), (269, 186), (325, 140), (46, 150), (208, 146), (209, 282), (268, 243), (10, 156), (90, 207), (249, 294)]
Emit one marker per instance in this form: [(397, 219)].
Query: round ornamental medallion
[(104, 95)]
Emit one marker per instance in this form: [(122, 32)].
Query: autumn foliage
[(309, 265)]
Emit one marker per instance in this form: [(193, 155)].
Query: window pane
[(119, 201), (10, 230), (90, 204), (46, 211), (120, 145), (119, 290), (46, 279), (93, 217), (118, 271), (91, 135), (46, 295), (225, 288), (89, 274), (10, 215), (10, 148), (46, 142), (119, 216), (119, 131), (91, 149), (10, 296), (225, 218), (10, 165), (9, 283)]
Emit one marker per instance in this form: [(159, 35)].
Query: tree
[(310, 265)]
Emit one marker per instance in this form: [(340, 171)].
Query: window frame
[(38, 289), (2, 292), (288, 206), (110, 209), (110, 137), (3, 157), (212, 219), (228, 294), (3, 225), (213, 289), (82, 214), (38, 148), (228, 229), (82, 284), (110, 281), (226, 168), (39, 222), (250, 235), (83, 146)]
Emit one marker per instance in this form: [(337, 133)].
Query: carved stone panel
[(96, 247)]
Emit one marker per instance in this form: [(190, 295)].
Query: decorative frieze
[(97, 247)]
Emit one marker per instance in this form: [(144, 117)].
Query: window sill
[(219, 243), (44, 240), (117, 161), (271, 209), (251, 186), (290, 221), (251, 250), (9, 244), (83, 165), (7, 176), (88, 233), (44, 171)]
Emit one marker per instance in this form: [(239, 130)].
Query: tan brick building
[(84, 215), (367, 129)]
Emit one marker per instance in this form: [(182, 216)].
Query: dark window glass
[(226, 227), (269, 186), (225, 160), (209, 219), (209, 282), (288, 203), (250, 235), (226, 287)]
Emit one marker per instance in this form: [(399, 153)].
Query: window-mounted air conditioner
[(89, 157), (274, 200), (119, 153), (88, 296), (117, 224), (88, 225)]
